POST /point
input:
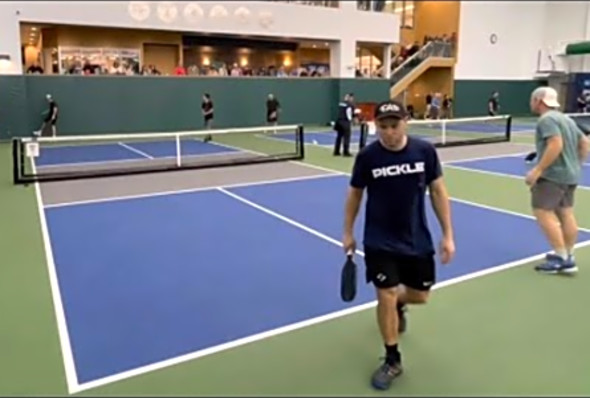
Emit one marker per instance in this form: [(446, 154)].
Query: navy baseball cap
[(390, 109)]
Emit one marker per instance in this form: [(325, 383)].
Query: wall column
[(387, 60), (342, 58), (9, 40), (584, 63)]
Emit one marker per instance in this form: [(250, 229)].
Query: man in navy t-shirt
[(396, 170)]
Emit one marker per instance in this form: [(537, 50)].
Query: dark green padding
[(471, 96), (111, 104)]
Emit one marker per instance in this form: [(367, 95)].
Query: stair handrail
[(414, 56), (420, 52)]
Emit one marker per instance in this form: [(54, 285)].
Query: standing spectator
[(447, 103), (435, 106), (494, 104), (273, 108), (428, 105), (207, 109), (35, 69), (581, 103), (180, 70)]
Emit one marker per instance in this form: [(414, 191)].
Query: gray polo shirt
[(567, 168)]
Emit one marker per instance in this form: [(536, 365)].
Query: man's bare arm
[(552, 152), (583, 148), (439, 197), (353, 202)]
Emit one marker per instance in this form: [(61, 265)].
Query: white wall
[(565, 22), (9, 41), (519, 27), (261, 18)]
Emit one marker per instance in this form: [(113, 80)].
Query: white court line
[(308, 165), (190, 190), (499, 174), (329, 147), (298, 325), (500, 210), (108, 162), (58, 307), (135, 150), (509, 155), (330, 173), (288, 220)]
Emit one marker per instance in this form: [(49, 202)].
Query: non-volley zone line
[(511, 166), (297, 325), (325, 173)]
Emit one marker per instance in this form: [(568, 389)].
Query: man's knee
[(387, 295), (413, 296)]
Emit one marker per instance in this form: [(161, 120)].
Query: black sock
[(392, 355)]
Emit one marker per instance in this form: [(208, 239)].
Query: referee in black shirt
[(343, 126)]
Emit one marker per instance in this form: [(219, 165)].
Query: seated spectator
[(180, 71), (35, 69)]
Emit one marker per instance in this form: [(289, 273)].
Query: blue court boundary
[(73, 384)]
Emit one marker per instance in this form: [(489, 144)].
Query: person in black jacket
[(343, 126)]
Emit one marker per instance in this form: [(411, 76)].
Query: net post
[(178, 153), (509, 128), (15, 161), (22, 161), (300, 142), (363, 135), (444, 132)]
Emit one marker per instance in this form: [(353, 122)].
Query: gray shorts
[(550, 195)]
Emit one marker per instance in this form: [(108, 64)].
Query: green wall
[(112, 104), (471, 96)]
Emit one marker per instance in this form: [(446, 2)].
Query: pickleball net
[(582, 120), (86, 156), (453, 132)]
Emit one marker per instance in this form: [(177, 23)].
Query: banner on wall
[(579, 85)]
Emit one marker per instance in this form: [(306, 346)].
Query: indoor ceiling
[(30, 33), (314, 44)]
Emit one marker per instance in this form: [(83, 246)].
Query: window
[(73, 60), (405, 9)]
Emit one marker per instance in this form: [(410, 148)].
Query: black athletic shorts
[(386, 270)]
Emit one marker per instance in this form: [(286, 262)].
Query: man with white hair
[(561, 148)]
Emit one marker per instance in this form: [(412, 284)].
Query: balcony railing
[(433, 49), (316, 3)]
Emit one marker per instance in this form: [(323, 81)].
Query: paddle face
[(348, 280)]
